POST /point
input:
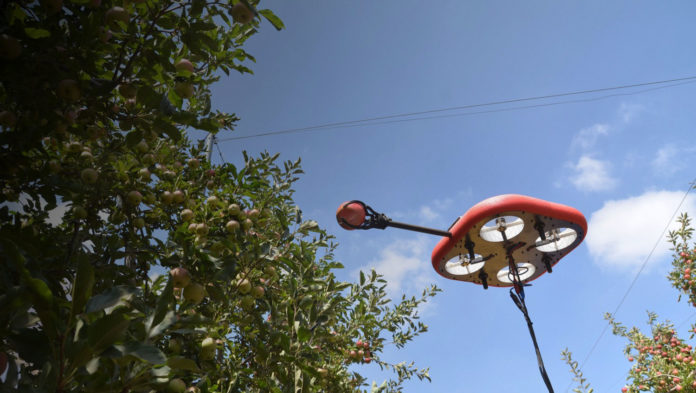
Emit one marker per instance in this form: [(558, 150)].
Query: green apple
[(176, 385), (232, 226), (184, 66), (233, 209), (134, 198), (241, 13), (187, 215), (257, 292), (142, 147), (89, 175), (167, 197), (179, 196), (115, 15), (79, 212), (202, 229), (244, 286), (194, 293), (175, 345), (248, 303), (139, 222), (208, 347), (144, 174), (184, 89)]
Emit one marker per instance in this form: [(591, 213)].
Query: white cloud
[(592, 175), (670, 159), (405, 265), (587, 137), (628, 112), (622, 233)]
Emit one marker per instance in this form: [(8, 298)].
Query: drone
[(503, 241)]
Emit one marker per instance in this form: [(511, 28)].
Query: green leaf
[(303, 334), (82, 287), (271, 17), (168, 320), (182, 363), (133, 138), (164, 304), (113, 297), (149, 97), (106, 331), (168, 128), (36, 33), (145, 352)]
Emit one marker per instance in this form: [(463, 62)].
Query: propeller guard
[(504, 232)]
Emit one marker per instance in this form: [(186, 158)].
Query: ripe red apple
[(624, 389), (244, 286), (184, 65), (10, 47), (367, 360), (194, 293), (350, 213), (115, 15), (180, 277), (184, 89), (89, 175), (241, 13), (68, 90), (176, 385)]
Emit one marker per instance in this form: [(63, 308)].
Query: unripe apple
[(179, 196), (217, 249), (232, 226), (257, 292), (86, 156), (194, 162), (233, 209), (175, 345), (247, 224), (169, 174), (68, 90), (192, 227), (208, 347), (253, 213), (134, 198), (244, 286), (248, 303), (322, 372), (176, 385), (148, 159), (184, 89), (139, 222), (213, 200), (167, 197), (194, 293), (184, 65), (7, 119), (187, 215), (10, 47), (89, 175), (127, 90), (180, 277), (241, 13), (144, 174), (193, 389), (142, 147), (115, 15), (202, 229), (79, 212)]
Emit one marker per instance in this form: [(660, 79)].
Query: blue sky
[(624, 161)]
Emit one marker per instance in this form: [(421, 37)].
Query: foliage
[(662, 361), (103, 195), (583, 385)]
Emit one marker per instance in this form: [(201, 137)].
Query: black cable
[(355, 123)]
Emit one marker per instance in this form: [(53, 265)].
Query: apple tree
[(662, 361), (129, 261)]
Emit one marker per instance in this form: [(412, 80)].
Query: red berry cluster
[(681, 274), (361, 353)]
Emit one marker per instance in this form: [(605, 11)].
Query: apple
[(176, 385), (192, 227), (257, 292), (248, 303), (167, 197), (115, 15), (202, 229), (194, 293), (174, 345), (624, 389), (244, 286), (253, 213), (180, 277), (210, 172), (241, 13), (193, 389), (68, 90), (7, 119), (217, 249), (79, 212), (367, 360), (142, 147), (144, 174), (270, 271), (89, 175), (208, 347), (186, 215), (213, 200), (179, 196), (359, 343), (148, 159), (247, 224), (184, 89), (87, 156), (194, 162), (184, 65), (127, 90), (233, 209), (322, 372), (232, 226), (10, 47), (134, 198)]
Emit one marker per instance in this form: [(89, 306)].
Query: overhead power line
[(398, 117), (642, 267)]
